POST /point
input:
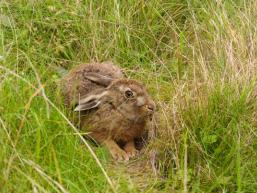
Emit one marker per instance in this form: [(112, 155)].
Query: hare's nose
[(150, 107)]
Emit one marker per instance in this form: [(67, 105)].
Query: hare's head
[(128, 97), (131, 99)]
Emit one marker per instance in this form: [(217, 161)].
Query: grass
[(198, 60)]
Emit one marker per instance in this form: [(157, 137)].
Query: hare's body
[(106, 122), (113, 110)]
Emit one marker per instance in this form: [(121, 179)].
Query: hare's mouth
[(149, 110)]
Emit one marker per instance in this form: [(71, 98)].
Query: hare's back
[(105, 68), (75, 84)]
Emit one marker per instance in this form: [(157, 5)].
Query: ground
[(198, 61)]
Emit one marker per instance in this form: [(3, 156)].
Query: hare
[(115, 110)]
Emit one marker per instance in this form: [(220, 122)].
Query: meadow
[(198, 60)]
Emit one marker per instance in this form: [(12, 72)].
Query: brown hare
[(114, 110)]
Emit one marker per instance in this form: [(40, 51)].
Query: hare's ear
[(90, 101), (98, 78)]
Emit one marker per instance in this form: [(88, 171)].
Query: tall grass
[(198, 60)]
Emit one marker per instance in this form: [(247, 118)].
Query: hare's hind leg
[(116, 152), (131, 149)]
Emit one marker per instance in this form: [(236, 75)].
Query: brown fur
[(74, 84), (107, 122), (117, 119)]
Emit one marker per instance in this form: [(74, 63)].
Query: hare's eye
[(129, 94)]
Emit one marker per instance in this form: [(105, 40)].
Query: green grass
[(198, 60)]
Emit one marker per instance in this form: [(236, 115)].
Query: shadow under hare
[(114, 110)]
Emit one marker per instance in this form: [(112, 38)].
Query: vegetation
[(198, 59)]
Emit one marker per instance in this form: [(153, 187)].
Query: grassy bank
[(197, 58)]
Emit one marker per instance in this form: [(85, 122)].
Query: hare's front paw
[(132, 153), (119, 155), (130, 149)]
